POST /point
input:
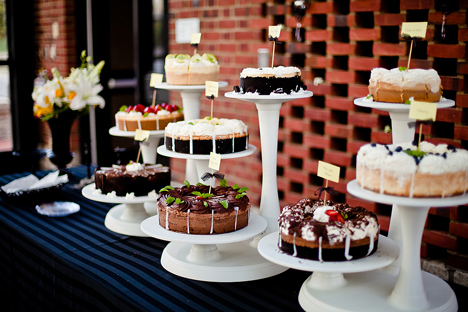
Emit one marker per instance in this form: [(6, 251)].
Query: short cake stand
[(212, 258), (126, 217), (191, 101), (414, 289)]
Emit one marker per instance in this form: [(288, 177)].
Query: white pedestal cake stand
[(401, 133), (213, 258), (268, 107), (327, 289), (126, 217), (414, 290), (191, 103), (148, 147)]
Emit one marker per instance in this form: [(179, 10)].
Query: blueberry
[(398, 149)]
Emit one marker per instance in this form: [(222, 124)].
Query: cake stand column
[(268, 115), (148, 150)]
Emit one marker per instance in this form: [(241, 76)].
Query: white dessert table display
[(148, 147), (191, 101), (401, 133), (268, 107)]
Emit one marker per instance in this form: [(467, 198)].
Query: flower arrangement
[(75, 92)]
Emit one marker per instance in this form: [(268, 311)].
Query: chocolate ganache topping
[(199, 199)]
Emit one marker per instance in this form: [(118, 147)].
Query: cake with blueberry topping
[(331, 232), (131, 118), (183, 69), (409, 170)]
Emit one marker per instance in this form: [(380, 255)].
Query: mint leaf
[(179, 201), (223, 182), (206, 204), (166, 189), (240, 195), (235, 186), (416, 153), (200, 184), (123, 108), (145, 114), (207, 195), (190, 123), (407, 102), (186, 183), (369, 96), (402, 68), (170, 200), (242, 190), (197, 193), (224, 203)]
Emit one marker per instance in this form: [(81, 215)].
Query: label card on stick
[(328, 171), (211, 88), (415, 29), (196, 38), (141, 135), (156, 79), (274, 31), (215, 161), (423, 110)]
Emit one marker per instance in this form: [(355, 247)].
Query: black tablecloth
[(76, 263)]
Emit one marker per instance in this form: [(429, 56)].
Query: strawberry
[(139, 108), (157, 108), (148, 110), (164, 105), (173, 108), (129, 109), (339, 218), (331, 213)]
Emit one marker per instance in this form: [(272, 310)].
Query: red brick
[(321, 89), (318, 35), (320, 8), (363, 63), (381, 137), (446, 51), (262, 23), (317, 114), (440, 238), (316, 141), (365, 6), (283, 160), (339, 131), (415, 63), (292, 198), (462, 68), (357, 91), (296, 175), (298, 48), (389, 19), (452, 83), (339, 20), (310, 165), (363, 120), (354, 146), (457, 260), (449, 115), (341, 48), (296, 150), (350, 174), (319, 62), (417, 4), (364, 34), (337, 158), (460, 132), (462, 100), (459, 229), (291, 21), (339, 103), (390, 49), (277, 10), (454, 18), (463, 34), (294, 124), (340, 76)]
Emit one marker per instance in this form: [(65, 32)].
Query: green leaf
[(186, 183), (242, 190), (123, 108), (235, 186), (170, 200), (200, 184), (145, 114), (402, 68), (197, 193), (224, 203), (416, 153), (240, 195), (207, 195), (166, 188), (190, 123), (344, 215), (369, 96), (223, 182), (408, 102), (206, 204), (179, 201)]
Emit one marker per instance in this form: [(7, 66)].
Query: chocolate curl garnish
[(208, 175), (416, 123), (329, 190), (210, 97)]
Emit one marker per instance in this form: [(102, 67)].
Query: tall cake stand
[(401, 133), (213, 258), (414, 290), (191, 101), (268, 107), (126, 217), (327, 289), (148, 147)]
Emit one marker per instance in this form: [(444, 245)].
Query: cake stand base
[(369, 291), (234, 262), (116, 220)]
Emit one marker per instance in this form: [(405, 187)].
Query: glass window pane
[(3, 32), (6, 140)]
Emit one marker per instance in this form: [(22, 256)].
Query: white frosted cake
[(182, 69)]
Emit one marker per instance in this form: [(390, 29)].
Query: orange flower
[(40, 111), (71, 95)]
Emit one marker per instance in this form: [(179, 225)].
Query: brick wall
[(344, 40), (46, 13)]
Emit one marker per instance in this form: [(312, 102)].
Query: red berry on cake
[(129, 109), (148, 110), (139, 108)]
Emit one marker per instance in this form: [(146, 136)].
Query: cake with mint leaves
[(410, 170), (197, 209), (398, 85), (183, 69), (131, 118)]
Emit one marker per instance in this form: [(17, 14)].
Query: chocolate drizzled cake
[(267, 80)]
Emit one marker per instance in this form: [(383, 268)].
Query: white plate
[(165, 86), (58, 209)]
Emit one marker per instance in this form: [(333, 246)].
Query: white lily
[(85, 93)]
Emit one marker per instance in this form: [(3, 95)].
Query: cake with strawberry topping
[(331, 232), (199, 209), (131, 118)]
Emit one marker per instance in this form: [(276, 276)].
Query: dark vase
[(60, 128)]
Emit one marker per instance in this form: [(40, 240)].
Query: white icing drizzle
[(191, 142), (157, 122), (173, 143), (188, 221), (125, 123), (212, 221), (139, 122), (214, 142), (412, 185), (280, 243), (167, 219), (382, 175), (320, 249), (294, 245), (347, 246), (233, 137), (371, 243), (235, 222)]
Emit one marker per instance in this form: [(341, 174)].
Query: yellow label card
[(215, 161), (196, 38), (423, 110), (211, 88), (274, 31), (156, 79), (415, 29), (328, 171), (141, 135)]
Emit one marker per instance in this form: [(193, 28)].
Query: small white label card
[(414, 29), (196, 38), (211, 88), (328, 171), (141, 135), (215, 161), (156, 79), (274, 31), (423, 110)]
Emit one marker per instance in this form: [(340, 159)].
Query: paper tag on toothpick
[(274, 31), (215, 161), (195, 38), (156, 79), (211, 88), (328, 171), (141, 135), (414, 29), (423, 110)]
